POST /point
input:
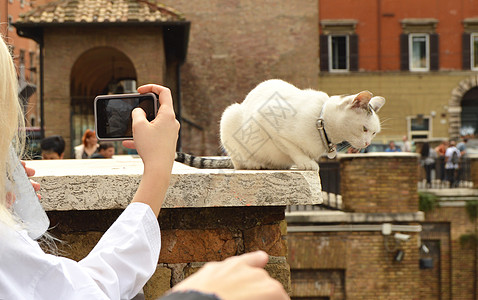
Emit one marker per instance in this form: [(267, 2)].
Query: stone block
[(159, 283), (182, 246), (267, 238)]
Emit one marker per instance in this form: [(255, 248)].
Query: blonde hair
[(11, 124)]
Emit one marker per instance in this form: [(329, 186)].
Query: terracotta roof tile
[(100, 11)]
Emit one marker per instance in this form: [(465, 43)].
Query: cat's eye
[(365, 129)]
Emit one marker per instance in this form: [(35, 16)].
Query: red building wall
[(379, 27)]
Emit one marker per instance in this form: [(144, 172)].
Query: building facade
[(25, 54), (422, 56)]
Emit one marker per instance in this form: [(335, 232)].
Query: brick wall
[(189, 237), (379, 183), (462, 258), (235, 45), (365, 269)]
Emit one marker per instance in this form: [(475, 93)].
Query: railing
[(330, 180), (439, 178)]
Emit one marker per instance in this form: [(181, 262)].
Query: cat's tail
[(220, 162)]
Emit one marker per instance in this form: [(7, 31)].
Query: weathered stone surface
[(267, 238), (181, 246), (279, 269), (159, 283), (220, 217), (111, 184)]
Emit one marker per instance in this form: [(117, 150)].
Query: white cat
[(278, 126)]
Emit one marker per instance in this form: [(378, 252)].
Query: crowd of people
[(446, 159)]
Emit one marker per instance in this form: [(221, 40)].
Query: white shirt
[(449, 154), (117, 267)]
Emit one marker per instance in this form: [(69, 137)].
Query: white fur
[(275, 126)]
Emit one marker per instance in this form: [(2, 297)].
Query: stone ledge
[(344, 217), (111, 183)]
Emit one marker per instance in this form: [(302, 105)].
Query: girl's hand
[(236, 278), (155, 141), (30, 172)]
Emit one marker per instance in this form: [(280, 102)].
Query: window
[(10, 21), (419, 127), (419, 48), (338, 46), (474, 51), (419, 52), (338, 52), (22, 57)]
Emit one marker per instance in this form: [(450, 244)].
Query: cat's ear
[(361, 100), (376, 103)]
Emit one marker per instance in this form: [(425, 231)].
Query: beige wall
[(407, 94)]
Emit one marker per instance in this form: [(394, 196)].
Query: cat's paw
[(308, 165)]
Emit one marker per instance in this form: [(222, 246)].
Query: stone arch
[(94, 72), (454, 104)]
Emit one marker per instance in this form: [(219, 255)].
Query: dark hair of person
[(104, 146), (53, 143), (425, 151)]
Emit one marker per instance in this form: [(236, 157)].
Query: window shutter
[(353, 52), (324, 53), (434, 52), (466, 51), (404, 52)]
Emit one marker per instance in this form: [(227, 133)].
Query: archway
[(97, 71), (465, 95), (469, 113)]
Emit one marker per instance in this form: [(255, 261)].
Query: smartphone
[(113, 114)]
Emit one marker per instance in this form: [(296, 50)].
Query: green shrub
[(427, 201)]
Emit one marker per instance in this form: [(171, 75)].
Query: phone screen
[(113, 114)]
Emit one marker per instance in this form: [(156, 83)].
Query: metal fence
[(440, 177), (330, 181)]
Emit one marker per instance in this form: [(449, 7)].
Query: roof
[(100, 12)]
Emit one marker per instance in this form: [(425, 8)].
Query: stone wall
[(189, 238), (385, 182), (208, 215)]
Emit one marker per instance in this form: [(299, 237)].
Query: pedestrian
[(441, 151), (427, 160), (52, 147), (105, 150), (88, 146), (392, 147), (452, 159), (407, 145)]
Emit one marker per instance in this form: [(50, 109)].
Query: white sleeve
[(127, 254), (118, 266)]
